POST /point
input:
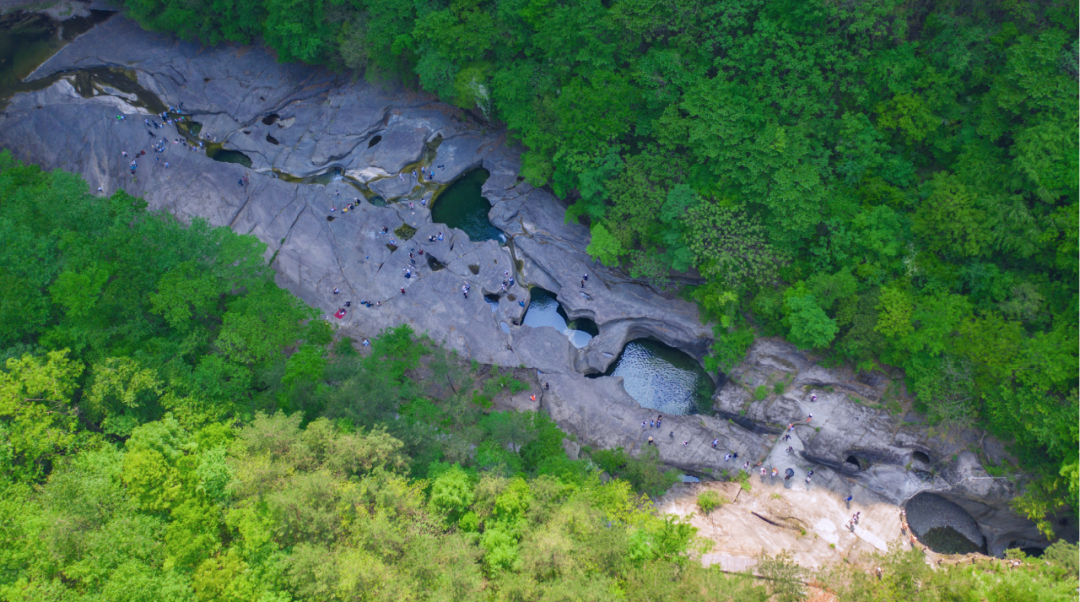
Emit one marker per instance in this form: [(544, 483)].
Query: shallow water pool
[(663, 378), (544, 310)]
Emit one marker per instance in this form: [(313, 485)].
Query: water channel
[(663, 378), (544, 310)]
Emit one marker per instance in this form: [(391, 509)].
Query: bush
[(761, 392), (778, 388), (710, 500)]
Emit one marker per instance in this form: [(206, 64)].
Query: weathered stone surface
[(852, 439)]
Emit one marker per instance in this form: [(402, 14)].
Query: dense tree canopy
[(175, 428), (926, 152)]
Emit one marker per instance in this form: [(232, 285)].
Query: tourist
[(403, 291), (790, 450), (642, 424), (813, 397), (810, 417), (685, 443), (651, 442), (337, 290), (547, 386), (585, 278), (715, 442), (763, 472), (672, 434)]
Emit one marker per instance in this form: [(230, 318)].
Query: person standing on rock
[(402, 290), (642, 424), (715, 442), (651, 442), (672, 434)]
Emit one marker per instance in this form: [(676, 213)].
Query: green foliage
[(864, 178), (761, 392), (905, 575), (709, 500)]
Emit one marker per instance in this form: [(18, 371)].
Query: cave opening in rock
[(544, 310), (374, 141), (921, 457), (271, 119), (943, 526), (663, 378), (853, 460), (272, 140), (462, 206), (493, 302), (1033, 552)]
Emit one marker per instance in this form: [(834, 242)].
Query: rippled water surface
[(663, 378)]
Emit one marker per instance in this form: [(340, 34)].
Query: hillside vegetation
[(175, 428), (885, 181)]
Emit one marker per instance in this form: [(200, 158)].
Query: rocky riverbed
[(316, 141)]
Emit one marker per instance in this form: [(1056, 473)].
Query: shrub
[(761, 392), (709, 501)]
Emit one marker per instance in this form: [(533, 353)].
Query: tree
[(730, 245)]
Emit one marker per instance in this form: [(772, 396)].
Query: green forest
[(174, 427), (886, 182)]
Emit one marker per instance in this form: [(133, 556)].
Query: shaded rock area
[(854, 443), (296, 123)]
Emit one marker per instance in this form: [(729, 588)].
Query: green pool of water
[(663, 378), (946, 540), (462, 206), (228, 156), (28, 40)]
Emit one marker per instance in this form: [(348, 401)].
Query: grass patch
[(405, 231)]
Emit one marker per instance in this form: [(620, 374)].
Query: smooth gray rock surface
[(889, 455)]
